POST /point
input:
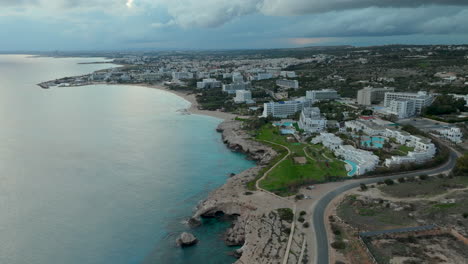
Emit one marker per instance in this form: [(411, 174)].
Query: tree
[(389, 182), (461, 168)]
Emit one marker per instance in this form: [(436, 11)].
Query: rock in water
[(186, 239)]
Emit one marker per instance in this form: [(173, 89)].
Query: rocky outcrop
[(238, 140), (186, 239), (257, 227)]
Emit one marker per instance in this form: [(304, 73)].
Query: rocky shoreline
[(257, 226)]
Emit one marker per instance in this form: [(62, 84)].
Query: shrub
[(299, 197), (306, 225), (286, 214), (389, 182), (301, 219), (248, 193), (465, 215), (338, 245), (401, 180), (363, 187), (423, 177), (302, 213)]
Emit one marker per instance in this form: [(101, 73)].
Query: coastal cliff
[(258, 227)]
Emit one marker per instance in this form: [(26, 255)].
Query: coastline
[(258, 227), (191, 98)]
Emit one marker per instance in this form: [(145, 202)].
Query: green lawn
[(405, 149), (289, 175)]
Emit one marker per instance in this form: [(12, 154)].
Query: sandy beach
[(191, 98)]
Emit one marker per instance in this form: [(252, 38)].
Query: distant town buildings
[(261, 76), (208, 83), (243, 96), (288, 84), (421, 100), (182, 75), (288, 74), (311, 120), (324, 94), (233, 87), (237, 77), (370, 95)]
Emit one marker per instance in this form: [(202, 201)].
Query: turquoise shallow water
[(102, 174)]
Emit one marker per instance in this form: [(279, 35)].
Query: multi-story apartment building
[(283, 109), (288, 84), (402, 108), (233, 87), (209, 83), (370, 95), (311, 120), (324, 94), (243, 96), (421, 99), (182, 75)]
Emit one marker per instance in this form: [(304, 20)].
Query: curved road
[(319, 210)]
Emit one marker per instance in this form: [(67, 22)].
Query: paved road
[(319, 211)]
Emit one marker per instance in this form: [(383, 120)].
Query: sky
[(48, 25)]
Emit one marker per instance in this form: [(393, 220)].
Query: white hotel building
[(421, 99), (283, 109), (453, 134), (311, 120), (402, 108), (365, 160), (182, 75), (324, 94), (208, 83), (288, 84), (424, 149), (243, 96), (233, 87)]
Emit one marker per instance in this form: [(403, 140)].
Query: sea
[(103, 173)]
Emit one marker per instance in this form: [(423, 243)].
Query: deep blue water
[(102, 174)]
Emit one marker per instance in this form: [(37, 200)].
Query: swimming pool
[(354, 168), (373, 142), (286, 124)]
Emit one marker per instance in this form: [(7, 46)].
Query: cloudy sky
[(226, 24)]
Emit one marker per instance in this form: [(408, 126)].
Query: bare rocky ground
[(421, 249), (392, 206), (258, 227)]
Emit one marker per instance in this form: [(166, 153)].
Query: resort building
[(453, 134), (261, 76), (182, 75), (366, 126), (370, 95), (233, 87), (283, 109), (288, 74), (358, 161), (424, 149), (402, 108), (243, 96), (237, 77), (324, 94), (288, 84), (208, 83), (311, 120), (421, 99)]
